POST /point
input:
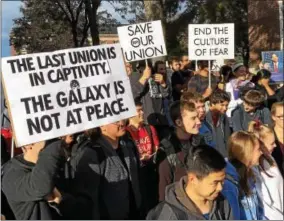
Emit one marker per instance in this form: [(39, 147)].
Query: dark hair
[(173, 59), (261, 74), (157, 63), (253, 98), (178, 107), (203, 160), (219, 96), (227, 72), (202, 64), (192, 97), (137, 102)]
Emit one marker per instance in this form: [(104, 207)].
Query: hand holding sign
[(159, 78)]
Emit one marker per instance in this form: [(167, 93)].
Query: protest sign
[(211, 41), (142, 41), (273, 61), (67, 91), (217, 64)]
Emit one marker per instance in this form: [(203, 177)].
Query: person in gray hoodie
[(152, 89), (197, 195), (250, 110), (29, 181)]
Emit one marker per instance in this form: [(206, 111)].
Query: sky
[(11, 10)]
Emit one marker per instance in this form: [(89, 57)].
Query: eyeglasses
[(119, 123)]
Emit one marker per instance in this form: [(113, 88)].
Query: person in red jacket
[(147, 142)]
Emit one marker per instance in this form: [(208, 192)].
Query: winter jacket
[(231, 190), (220, 133), (269, 186), (150, 105), (278, 155), (172, 154), (26, 184), (178, 206), (206, 131), (251, 205), (241, 119), (103, 187)]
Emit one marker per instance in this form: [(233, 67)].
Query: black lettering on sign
[(100, 111), (118, 86), (21, 65), (45, 123), (74, 117), (36, 79), (55, 60), (36, 104)]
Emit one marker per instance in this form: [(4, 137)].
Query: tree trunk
[(74, 33), (91, 10)]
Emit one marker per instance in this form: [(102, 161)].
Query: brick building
[(264, 25)]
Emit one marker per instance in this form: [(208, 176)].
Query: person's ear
[(179, 123), (192, 178)]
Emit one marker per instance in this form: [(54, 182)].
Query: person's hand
[(147, 73), (159, 78), (208, 92), (265, 82), (145, 157), (3, 217), (156, 148), (55, 196)]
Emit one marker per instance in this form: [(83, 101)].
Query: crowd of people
[(193, 151)]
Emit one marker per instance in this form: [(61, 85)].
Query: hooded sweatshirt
[(150, 104), (178, 206), (220, 133), (241, 119), (26, 184)]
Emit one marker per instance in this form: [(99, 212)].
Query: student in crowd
[(233, 86), (244, 154), (199, 83), (218, 121), (174, 148), (261, 81), (178, 80), (185, 68), (29, 181), (151, 90), (269, 181), (226, 73), (160, 69), (277, 113), (199, 102), (230, 191), (251, 109), (147, 142), (197, 195), (106, 177)]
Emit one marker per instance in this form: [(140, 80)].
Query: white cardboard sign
[(211, 41), (142, 41), (66, 91)]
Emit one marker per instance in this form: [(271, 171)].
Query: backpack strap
[(172, 157), (150, 134)]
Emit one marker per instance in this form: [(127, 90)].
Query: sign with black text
[(211, 41), (67, 91), (142, 41)]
